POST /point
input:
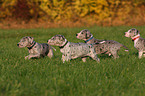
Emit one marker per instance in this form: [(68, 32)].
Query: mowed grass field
[(50, 77)]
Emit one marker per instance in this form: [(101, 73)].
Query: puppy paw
[(84, 59), (98, 60), (109, 54), (29, 57), (26, 57)]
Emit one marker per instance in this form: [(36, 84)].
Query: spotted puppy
[(73, 50), (139, 42), (101, 46), (35, 49)]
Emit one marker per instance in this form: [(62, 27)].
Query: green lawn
[(50, 77)]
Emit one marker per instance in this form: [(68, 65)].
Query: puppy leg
[(63, 58), (93, 55), (50, 54), (109, 54), (26, 57), (68, 57), (140, 54), (31, 56), (114, 53)]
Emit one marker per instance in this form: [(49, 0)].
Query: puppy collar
[(136, 37), (89, 39), (32, 45), (63, 45)]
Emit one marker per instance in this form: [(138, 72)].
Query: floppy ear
[(62, 38), (136, 32), (88, 34), (30, 39)]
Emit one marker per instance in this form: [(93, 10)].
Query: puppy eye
[(82, 33), (129, 31)]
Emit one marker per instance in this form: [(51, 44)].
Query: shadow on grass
[(135, 53), (102, 56)]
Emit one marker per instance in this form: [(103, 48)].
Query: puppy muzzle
[(126, 34)]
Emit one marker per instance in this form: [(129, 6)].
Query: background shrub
[(102, 11)]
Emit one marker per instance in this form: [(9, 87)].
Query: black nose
[(17, 44), (76, 34)]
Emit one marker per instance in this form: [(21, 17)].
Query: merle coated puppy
[(73, 50), (35, 49), (139, 42), (102, 46)]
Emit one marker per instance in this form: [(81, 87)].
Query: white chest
[(135, 42), (65, 49)]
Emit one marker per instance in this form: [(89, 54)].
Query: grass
[(50, 77)]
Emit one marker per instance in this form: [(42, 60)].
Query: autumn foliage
[(109, 12)]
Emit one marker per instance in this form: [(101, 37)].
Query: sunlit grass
[(50, 77)]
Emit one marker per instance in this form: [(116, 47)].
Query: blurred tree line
[(71, 10)]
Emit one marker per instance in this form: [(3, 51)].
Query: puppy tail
[(125, 47)]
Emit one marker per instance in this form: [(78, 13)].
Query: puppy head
[(84, 34), (25, 42), (57, 40), (131, 33)]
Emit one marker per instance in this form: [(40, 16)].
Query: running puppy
[(35, 49), (101, 46), (73, 50), (139, 42)]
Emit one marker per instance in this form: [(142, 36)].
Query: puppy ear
[(88, 34), (136, 32), (62, 38), (30, 39)]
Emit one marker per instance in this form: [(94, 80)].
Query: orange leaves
[(5, 8), (59, 10)]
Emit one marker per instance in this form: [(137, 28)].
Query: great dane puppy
[(101, 46), (73, 50), (139, 42), (35, 49)]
